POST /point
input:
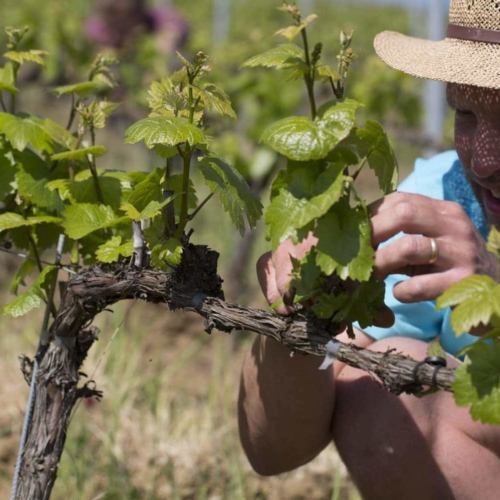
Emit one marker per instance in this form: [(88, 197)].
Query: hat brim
[(450, 60)]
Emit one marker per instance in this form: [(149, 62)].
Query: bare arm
[(285, 407), (286, 404)]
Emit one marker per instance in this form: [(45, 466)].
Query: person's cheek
[(464, 143)]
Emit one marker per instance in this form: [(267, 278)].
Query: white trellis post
[(434, 92), (221, 21)]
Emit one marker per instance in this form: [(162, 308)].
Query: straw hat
[(470, 53)]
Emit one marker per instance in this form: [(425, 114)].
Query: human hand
[(461, 250), (274, 270)]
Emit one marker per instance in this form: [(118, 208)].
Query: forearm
[(285, 407)]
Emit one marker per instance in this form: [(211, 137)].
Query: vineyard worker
[(400, 447)]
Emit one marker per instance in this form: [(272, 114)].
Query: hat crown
[(476, 13)]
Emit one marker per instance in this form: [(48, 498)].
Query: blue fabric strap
[(456, 188)]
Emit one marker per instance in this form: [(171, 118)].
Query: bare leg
[(409, 448)]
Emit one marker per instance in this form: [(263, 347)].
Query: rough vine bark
[(195, 286)]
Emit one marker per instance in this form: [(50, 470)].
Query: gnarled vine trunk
[(195, 286)]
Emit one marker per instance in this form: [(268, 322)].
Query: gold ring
[(434, 251)]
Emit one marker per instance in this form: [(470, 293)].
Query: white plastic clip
[(332, 349)]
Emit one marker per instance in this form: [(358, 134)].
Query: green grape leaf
[(363, 305), (165, 152), (157, 94), (85, 218), (59, 134), (151, 210), (290, 32), (233, 191), (297, 138), (476, 299), (301, 139), (183, 60), (80, 154), (301, 179), (477, 382), (166, 130), (44, 234), (105, 79), (340, 116), (136, 177), (32, 178), (125, 178), (435, 348), (82, 189), (62, 186), (344, 244), (372, 142), (343, 154), (154, 233), (113, 249), (7, 79), (493, 244), (326, 72), (92, 116), (35, 190), (215, 99), (306, 277), (108, 107), (146, 191), (82, 90), (285, 215), (35, 56), (10, 220), (31, 298), (283, 56), (327, 305), (154, 208), (131, 211), (7, 175), (22, 130), (293, 209), (168, 254), (175, 101), (23, 271), (179, 77)]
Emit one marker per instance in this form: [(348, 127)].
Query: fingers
[(441, 245), (424, 287), (412, 214), (409, 255), (274, 270), (266, 274)]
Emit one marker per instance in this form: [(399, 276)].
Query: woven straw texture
[(450, 60)]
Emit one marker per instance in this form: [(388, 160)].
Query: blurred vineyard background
[(166, 428)]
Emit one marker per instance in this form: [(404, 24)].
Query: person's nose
[(486, 152)]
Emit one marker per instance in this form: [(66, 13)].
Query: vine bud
[(345, 39), (316, 53)]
